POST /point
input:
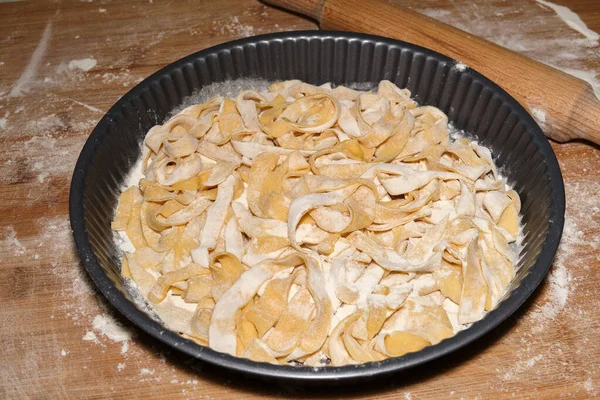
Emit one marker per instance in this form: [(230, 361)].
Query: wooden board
[(63, 64)]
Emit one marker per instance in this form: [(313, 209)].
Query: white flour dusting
[(228, 88), (135, 175), (64, 353), (46, 152), (582, 215), (556, 313), (234, 27), (11, 243), (539, 116), (123, 242), (120, 367), (85, 64), (90, 337), (571, 19), (30, 71), (588, 385), (559, 280), (521, 366), (109, 327), (3, 122), (122, 76), (460, 66)]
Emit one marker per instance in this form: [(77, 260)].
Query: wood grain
[(572, 108), (548, 350)]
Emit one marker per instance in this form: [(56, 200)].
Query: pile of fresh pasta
[(317, 226)]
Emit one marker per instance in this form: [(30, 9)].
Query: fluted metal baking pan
[(472, 102)]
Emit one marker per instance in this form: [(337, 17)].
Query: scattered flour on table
[(577, 251), (90, 337), (120, 367), (122, 76), (588, 385), (44, 143), (521, 366), (85, 64), (560, 285), (45, 125), (107, 326), (582, 217), (30, 71), (125, 347), (50, 149), (11, 243), (571, 19), (234, 27)]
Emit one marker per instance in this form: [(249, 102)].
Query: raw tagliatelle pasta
[(317, 226)]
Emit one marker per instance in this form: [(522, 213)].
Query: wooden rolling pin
[(572, 111)]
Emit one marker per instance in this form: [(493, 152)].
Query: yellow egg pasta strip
[(336, 347), (256, 227), (262, 165), (159, 242), (135, 231), (225, 274), (124, 208), (186, 167), (474, 290), (399, 343), (144, 280), (199, 287), (215, 218), (358, 352), (222, 332), (316, 333), (390, 259), (160, 289), (258, 351), (265, 312), (291, 326), (201, 322)]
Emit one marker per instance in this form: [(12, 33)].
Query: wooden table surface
[(64, 63)]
